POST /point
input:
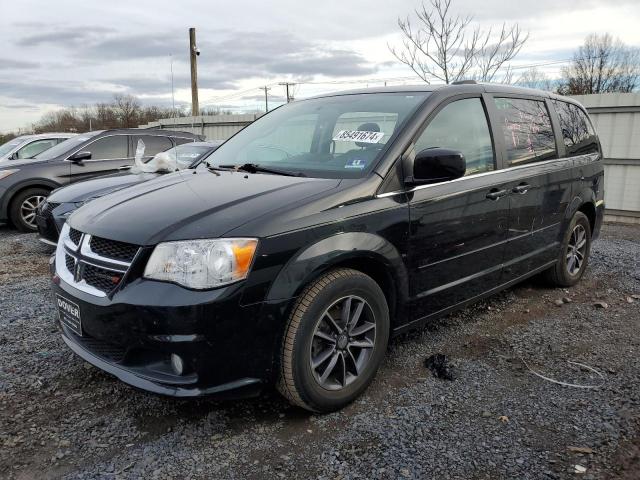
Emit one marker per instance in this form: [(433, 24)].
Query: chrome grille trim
[(83, 255)]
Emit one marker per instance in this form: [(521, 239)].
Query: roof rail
[(464, 82)]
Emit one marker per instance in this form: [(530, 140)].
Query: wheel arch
[(584, 202), (366, 252), (22, 186)]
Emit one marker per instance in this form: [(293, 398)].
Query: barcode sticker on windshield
[(358, 136)]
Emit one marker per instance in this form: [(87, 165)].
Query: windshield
[(331, 137), (66, 146), (186, 154), (10, 145)]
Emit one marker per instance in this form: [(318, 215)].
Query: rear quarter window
[(577, 132), (527, 131)]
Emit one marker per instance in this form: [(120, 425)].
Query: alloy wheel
[(343, 342), (576, 249), (29, 208)]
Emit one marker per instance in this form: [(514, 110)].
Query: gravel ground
[(62, 418)]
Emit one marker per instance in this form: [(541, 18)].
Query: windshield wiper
[(255, 168)]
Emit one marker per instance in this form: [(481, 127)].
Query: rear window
[(153, 144), (527, 131), (577, 132), (108, 148)]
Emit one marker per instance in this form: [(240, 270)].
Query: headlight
[(6, 173), (201, 264)]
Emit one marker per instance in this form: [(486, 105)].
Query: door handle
[(521, 189), (124, 167), (496, 194)]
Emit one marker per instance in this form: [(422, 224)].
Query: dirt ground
[(60, 417)]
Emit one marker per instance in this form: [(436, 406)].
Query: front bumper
[(228, 349)]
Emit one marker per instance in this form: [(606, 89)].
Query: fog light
[(177, 364)]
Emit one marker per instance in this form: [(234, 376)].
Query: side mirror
[(78, 157), (433, 165)]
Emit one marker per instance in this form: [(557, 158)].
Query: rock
[(579, 469), (601, 305), (585, 450), (566, 300), (558, 302)]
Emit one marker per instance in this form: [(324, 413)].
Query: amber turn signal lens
[(243, 253)]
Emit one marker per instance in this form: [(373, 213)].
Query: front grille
[(101, 278), (46, 208), (92, 264), (70, 263), (113, 249), (75, 236), (108, 351)]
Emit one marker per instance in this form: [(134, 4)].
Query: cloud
[(62, 36), (69, 93), (8, 63), (162, 84)]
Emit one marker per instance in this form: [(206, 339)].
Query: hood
[(97, 187), (192, 204)]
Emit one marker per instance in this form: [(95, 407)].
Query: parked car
[(24, 184), (328, 225), (28, 146), (62, 202)]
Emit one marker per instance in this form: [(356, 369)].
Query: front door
[(458, 228), (109, 154)]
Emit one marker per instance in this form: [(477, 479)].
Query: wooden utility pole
[(266, 98), (193, 54), (287, 85)]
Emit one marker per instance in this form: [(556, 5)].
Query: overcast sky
[(72, 53)]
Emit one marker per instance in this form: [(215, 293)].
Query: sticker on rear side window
[(358, 136)]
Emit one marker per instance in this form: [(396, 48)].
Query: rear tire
[(22, 211), (334, 341), (574, 253)]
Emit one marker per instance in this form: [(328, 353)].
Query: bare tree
[(127, 109), (534, 78), (602, 65), (447, 48), (493, 53)]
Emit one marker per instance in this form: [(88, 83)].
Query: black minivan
[(292, 254)]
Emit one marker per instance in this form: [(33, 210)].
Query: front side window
[(577, 133), (107, 148), (34, 148), (67, 147), (331, 137), (5, 148), (526, 127), (462, 126)]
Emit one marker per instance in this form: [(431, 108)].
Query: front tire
[(574, 254), (24, 205), (334, 342)]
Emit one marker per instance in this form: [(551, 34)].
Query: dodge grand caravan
[(292, 254)]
